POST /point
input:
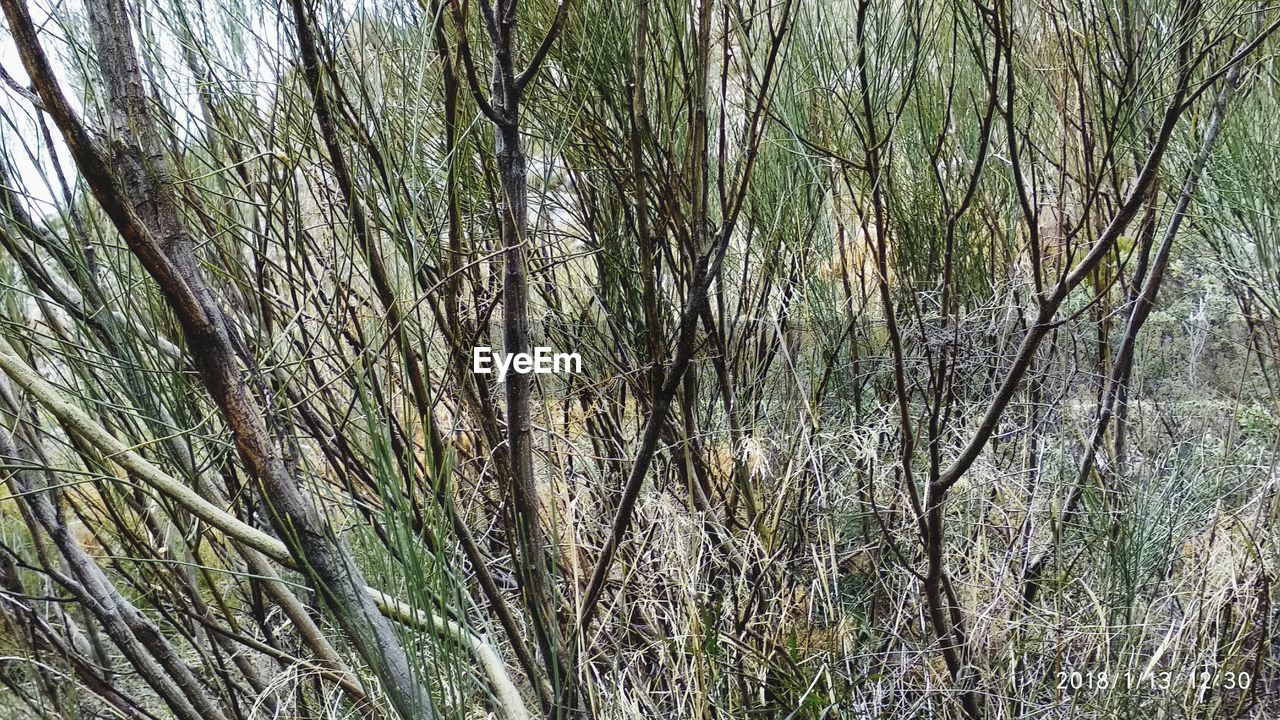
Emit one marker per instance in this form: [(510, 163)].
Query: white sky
[(253, 67), (35, 176)]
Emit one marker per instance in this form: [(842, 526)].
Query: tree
[(925, 359)]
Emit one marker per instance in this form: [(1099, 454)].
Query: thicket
[(928, 359)]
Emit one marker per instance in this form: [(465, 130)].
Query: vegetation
[(927, 359)]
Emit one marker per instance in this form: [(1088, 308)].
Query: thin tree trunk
[(1140, 310)]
